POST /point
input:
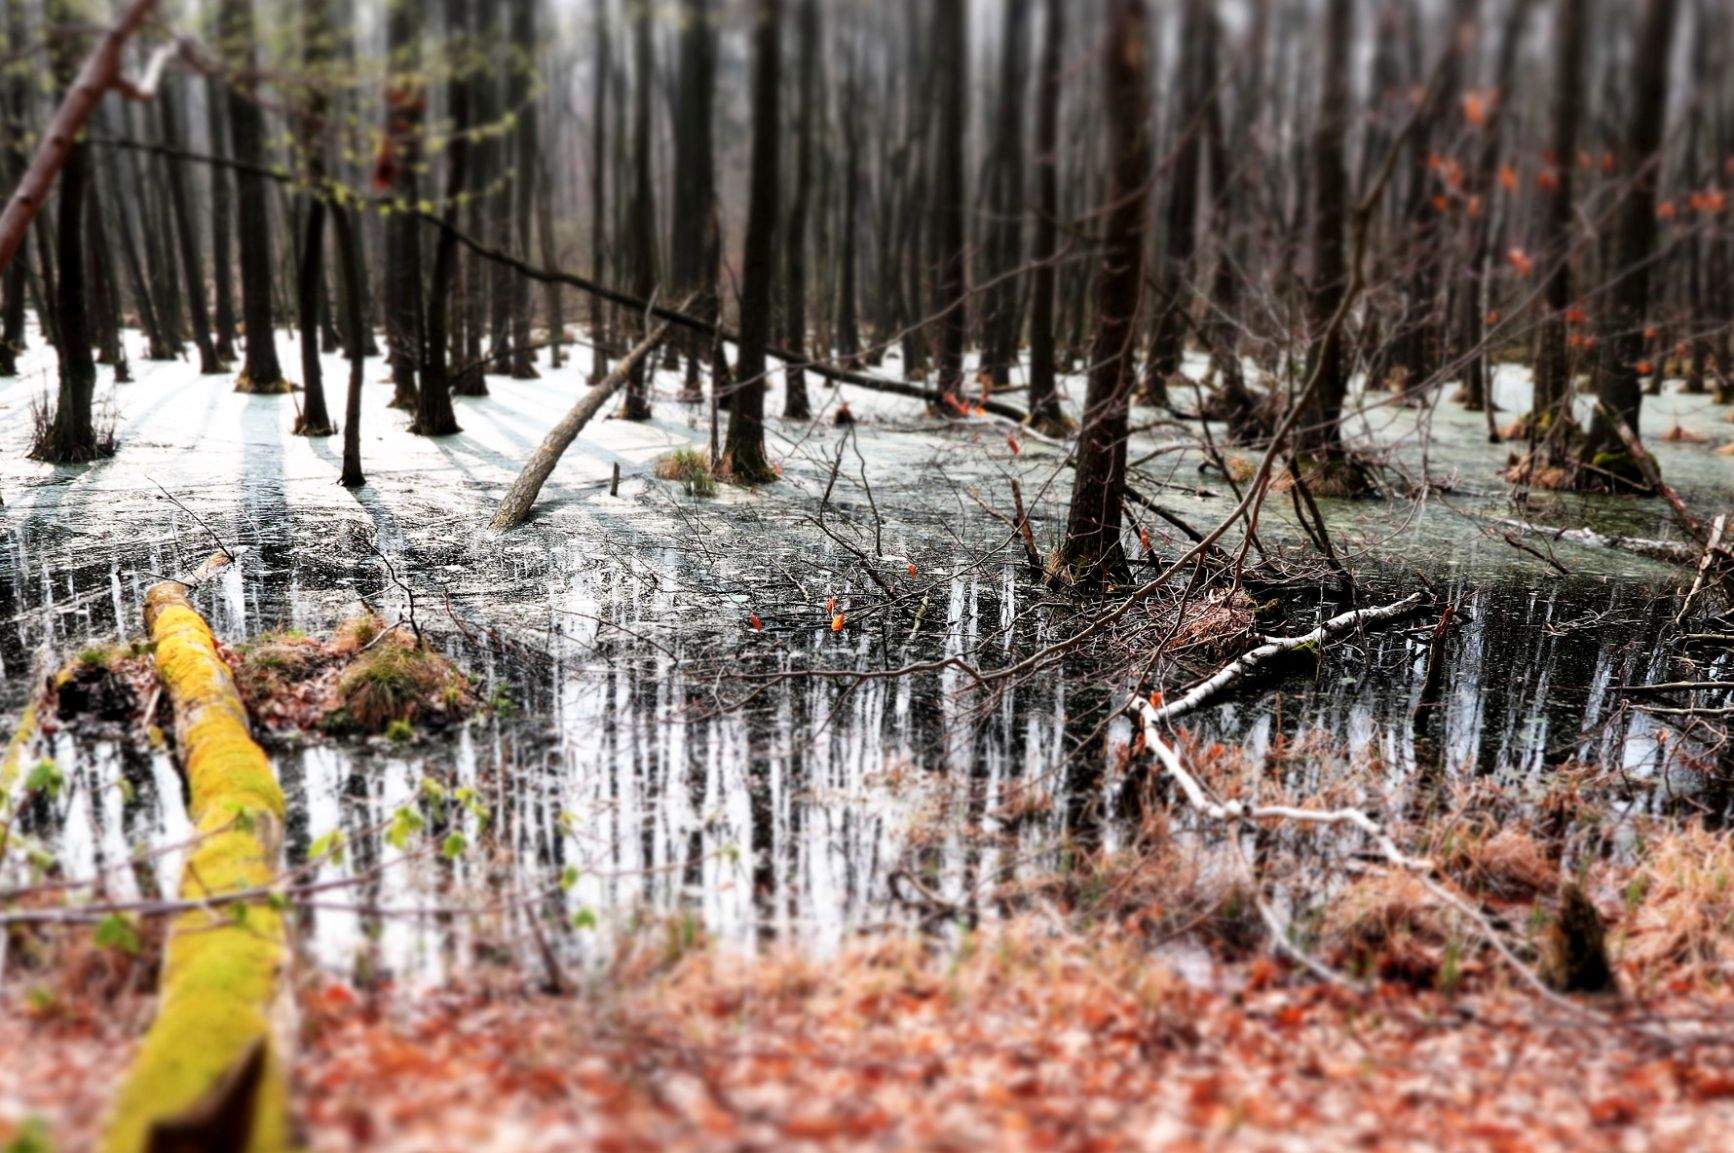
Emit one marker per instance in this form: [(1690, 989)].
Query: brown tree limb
[(99, 74)]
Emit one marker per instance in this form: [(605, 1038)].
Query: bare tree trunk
[(260, 371), (399, 171), (1618, 389), (643, 206), (796, 405), (1044, 396), (1092, 550), (1319, 437), (744, 458), (599, 195), (310, 284), (950, 198), (433, 411), (71, 435)]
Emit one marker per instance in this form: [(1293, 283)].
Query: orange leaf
[(911, 568), (837, 623), (1011, 442), (754, 621), (1519, 260)]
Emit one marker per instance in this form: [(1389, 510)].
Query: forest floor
[(1082, 1012), (1032, 1036)]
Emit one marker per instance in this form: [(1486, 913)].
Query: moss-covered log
[(210, 1057)]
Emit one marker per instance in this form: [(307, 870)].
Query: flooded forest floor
[(727, 821)]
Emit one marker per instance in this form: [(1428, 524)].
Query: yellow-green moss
[(221, 964)]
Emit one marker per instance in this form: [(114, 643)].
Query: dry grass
[(1508, 865), (1388, 925), (1681, 924)]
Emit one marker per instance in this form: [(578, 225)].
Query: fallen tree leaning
[(210, 1072), (515, 507)]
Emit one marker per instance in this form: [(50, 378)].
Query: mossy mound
[(368, 678), (398, 682)]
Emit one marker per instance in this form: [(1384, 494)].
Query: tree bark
[(744, 458), (1092, 550), (1618, 389)]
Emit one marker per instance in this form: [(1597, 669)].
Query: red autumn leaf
[(1520, 261), (1508, 178)]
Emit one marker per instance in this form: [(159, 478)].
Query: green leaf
[(584, 918), (45, 777), (405, 823), (330, 845), (569, 878), (116, 932), (454, 846)]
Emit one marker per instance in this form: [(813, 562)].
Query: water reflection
[(617, 787)]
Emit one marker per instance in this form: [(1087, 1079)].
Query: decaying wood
[(522, 495)]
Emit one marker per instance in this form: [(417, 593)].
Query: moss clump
[(273, 662), (691, 468), (398, 680)]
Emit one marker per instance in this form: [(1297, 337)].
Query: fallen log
[(1671, 552), (516, 505), (210, 1072), (1272, 647)]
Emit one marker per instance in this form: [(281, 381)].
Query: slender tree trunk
[(1092, 550), (433, 411), (1319, 436), (643, 206), (1044, 395), (599, 195), (796, 404), (192, 262), (260, 371), (1168, 335), (399, 172), (526, 172), (691, 268), (1618, 389), (744, 458), (71, 435), (950, 198), (310, 283), (222, 225)]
